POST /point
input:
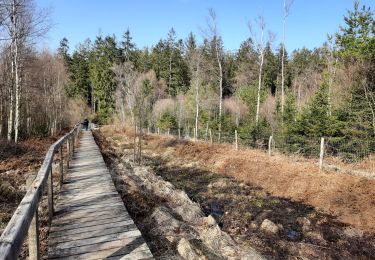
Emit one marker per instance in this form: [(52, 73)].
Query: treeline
[(258, 90), (33, 98), (196, 84)]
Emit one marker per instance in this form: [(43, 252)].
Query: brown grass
[(215, 177), (350, 198)]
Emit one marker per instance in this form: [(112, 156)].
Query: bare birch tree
[(286, 10), (260, 45), (195, 63), (332, 62), (214, 38), (22, 24)]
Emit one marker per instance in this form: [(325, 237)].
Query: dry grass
[(350, 198), (243, 188)]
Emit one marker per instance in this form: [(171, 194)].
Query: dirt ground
[(313, 214)]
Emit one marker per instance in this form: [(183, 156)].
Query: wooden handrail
[(15, 232)]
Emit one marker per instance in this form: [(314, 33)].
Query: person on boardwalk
[(85, 124)]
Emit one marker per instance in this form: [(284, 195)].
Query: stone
[(316, 236), (269, 227), (305, 223), (353, 232)]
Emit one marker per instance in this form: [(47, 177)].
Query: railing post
[(50, 195), (73, 143), (67, 153), (71, 147), (61, 165), (33, 232), (321, 153)]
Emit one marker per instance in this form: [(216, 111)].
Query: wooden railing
[(25, 219)]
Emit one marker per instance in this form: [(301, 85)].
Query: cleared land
[(316, 214)]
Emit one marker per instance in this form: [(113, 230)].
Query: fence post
[(33, 232), (210, 135), (67, 153), (270, 146), (148, 130), (321, 153), (72, 147), (73, 143), (50, 195), (236, 138), (61, 165), (179, 133)]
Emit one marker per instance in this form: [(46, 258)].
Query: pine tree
[(356, 38), (104, 55), (290, 113), (315, 120)]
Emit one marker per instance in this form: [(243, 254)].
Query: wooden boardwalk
[(90, 221)]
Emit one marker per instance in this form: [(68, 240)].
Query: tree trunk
[(196, 101), (18, 93), (220, 88), (170, 72), (10, 116), (259, 87)]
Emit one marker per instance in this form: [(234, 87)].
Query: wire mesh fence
[(339, 153)]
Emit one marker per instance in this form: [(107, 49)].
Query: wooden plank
[(95, 222), (93, 240), (93, 175), (98, 246), (82, 213), (68, 196), (90, 217), (134, 251), (99, 196), (90, 204), (128, 224), (97, 233), (87, 188)]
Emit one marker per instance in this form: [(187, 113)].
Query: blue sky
[(150, 20)]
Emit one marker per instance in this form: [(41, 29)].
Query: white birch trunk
[(259, 88), (282, 68), (197, 83), (220, 87), (10, 116), (18, 93)]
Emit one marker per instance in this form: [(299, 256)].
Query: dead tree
[(260, 45), (214, 38), (286, 9)]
